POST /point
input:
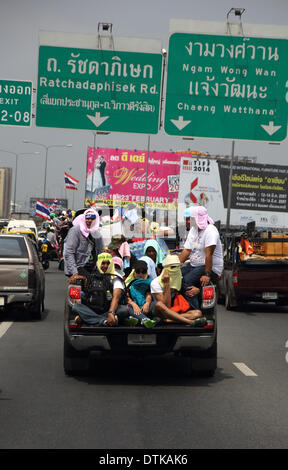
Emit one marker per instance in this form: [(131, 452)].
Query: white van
[(25, 224)]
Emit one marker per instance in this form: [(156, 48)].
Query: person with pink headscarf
[(83, 243), (204, 247)]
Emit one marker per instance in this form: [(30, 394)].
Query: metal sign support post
[(237, 12), (230, 188), (146, 179)]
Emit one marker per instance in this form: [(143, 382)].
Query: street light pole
[(47, 147)]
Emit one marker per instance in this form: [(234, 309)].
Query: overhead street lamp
[(16, 167), (47, 147)]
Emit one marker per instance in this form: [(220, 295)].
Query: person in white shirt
[(204, 247)]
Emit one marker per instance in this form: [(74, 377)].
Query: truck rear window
[(11, 247)]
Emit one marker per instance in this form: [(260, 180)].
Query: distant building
[(5, 192)]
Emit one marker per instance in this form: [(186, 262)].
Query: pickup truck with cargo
[(199, 344), (258, 275)]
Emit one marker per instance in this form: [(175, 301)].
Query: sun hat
[(172, 260)]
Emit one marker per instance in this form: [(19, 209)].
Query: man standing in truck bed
[(204, 247)]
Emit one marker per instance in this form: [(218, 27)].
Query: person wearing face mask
[(139, 297), (81, 246), (166, 290), (203, 246), (107, 306), (154, 257)]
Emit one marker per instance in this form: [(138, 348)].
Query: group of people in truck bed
[(145, 290)]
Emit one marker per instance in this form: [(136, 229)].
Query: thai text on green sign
[(227, 87), (15, 103), (98, 89)]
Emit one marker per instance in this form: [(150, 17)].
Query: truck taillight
[(31, 278), (235, 278), (208, 296), (75, 292), (208, 293)]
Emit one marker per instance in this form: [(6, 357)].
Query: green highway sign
[(228, 87), (96, 89), (15, 103)]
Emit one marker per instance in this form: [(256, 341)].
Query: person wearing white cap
[(204, 247), (166, 290)]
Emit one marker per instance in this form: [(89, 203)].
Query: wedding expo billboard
[(120, 176)]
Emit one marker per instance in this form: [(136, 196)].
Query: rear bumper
[(7, 298), (185, 343), (259, 295)]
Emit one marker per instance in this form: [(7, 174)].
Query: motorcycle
[(46, 252)]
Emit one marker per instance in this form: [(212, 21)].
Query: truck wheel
[(74, 362), (204, 364), (45, 264), (36, 310), (43, 302)]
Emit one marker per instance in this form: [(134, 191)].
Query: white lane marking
[(244, 369), (4, 327)]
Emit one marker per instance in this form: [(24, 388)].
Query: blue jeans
[(92, 318), (142, 316)]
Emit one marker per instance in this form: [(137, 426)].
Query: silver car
[(22, 277)]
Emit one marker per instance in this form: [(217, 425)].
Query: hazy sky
[(20, 22)]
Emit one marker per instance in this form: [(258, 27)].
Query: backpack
[(97, 293)]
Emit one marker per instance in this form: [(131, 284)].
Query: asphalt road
[(144, 405)]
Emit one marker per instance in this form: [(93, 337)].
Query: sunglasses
[(140, 271)]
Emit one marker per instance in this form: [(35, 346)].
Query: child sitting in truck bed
[(139, 297)]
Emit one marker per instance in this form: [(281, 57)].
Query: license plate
[(269, 295), (2, 301), (44, 248), (141, 339)]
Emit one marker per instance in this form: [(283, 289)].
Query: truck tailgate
[(13, 276), (266, 277)]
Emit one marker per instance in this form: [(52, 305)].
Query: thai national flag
[(70, 182), (42, 210), (54, 205)]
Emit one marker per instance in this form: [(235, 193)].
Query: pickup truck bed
[(259, 277), (197, 343)]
